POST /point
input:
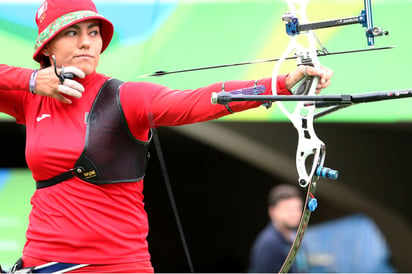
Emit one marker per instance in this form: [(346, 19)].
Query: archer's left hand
[(300, 72)]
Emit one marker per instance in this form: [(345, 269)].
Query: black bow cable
[(163, 168)]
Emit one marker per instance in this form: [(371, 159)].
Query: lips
[(84, 56)]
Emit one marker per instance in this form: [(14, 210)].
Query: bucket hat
[(55, 15)]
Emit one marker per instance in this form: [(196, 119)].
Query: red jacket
[(78, 222)]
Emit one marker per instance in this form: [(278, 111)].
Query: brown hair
[(281, 192)]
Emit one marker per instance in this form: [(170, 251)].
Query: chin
[(87, 67), (87, 70)]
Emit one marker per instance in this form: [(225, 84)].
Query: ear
[(46, 50)]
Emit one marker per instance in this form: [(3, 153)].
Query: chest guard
[(111, 154)]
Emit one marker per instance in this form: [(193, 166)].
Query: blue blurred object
[(4, 176), (312, 204), (352, 244)]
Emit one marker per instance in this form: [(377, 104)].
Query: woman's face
[(79, 45)]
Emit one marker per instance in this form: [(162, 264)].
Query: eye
[(94, 33), (70, 33)]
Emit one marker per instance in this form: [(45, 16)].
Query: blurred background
[(221, 171)]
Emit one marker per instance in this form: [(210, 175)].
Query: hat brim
[(67, 20)]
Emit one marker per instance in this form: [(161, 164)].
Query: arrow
[(320, 53)]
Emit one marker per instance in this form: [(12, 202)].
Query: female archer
[(87, 140)]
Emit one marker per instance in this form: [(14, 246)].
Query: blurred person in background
[(272, 245)]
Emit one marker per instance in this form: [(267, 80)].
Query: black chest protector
[(111, 154)]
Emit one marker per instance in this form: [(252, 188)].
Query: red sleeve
[(282, 85), (14, 87), (14, 78), (151, 105)]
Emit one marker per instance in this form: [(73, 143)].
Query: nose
[(84, 40)]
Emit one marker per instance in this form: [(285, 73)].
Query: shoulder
[(268, 236), (142, 86), (142, 90)]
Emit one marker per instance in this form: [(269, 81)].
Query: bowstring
[(172, 199)]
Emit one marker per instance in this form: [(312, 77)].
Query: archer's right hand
[(48, 84)]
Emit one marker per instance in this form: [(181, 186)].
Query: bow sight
[(365, 19)]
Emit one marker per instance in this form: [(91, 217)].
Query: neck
[(283, 230), (86, 79)]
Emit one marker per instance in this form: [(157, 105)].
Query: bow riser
[(302, 116), (309, 147)]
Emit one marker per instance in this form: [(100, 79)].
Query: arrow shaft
[(320, 53)]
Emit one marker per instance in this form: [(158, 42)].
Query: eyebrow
[(92, 25)]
